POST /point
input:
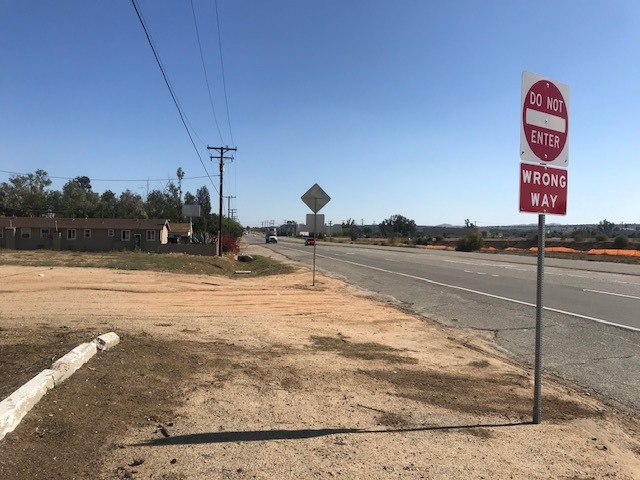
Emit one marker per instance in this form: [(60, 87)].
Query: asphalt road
[(591, 321)]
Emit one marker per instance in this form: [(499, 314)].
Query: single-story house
[(181, 233), (83, 234)]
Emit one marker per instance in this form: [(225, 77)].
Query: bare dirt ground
[(271, 378)]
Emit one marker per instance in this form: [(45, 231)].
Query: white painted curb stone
[(64, 367), (17, 405), (107, 341)]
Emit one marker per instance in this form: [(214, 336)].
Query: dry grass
[(160, 262)]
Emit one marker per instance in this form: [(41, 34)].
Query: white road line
[(498, 297), (611, 293)]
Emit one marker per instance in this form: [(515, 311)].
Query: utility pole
[(221, 151), (229, 197)]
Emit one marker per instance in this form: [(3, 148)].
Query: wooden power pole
[(221, 151)]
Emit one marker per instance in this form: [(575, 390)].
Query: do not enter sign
[(545, 121)]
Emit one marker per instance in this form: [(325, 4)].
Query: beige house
[(181, 233), (83, 234)]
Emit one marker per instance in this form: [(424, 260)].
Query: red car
[(310, 241)]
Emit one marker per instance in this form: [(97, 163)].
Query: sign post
[(315, 198), (544, 140)]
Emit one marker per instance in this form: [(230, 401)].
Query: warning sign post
[(544, 140)]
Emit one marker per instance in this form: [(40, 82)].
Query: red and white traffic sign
[(543, 189), (544, 133)]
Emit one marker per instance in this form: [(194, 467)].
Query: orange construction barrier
[(556, 249), (615, 252)]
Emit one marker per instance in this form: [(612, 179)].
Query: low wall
[(188, 248)]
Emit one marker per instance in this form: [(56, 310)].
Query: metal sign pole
[(315, 198), (315, 226), (539, 306)]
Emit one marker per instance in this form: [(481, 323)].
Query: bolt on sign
[(544, 134), (543, 189)]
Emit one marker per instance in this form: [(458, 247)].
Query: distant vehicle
[(310, 241), (270, 236)]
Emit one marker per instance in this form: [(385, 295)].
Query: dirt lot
[(223, 378)]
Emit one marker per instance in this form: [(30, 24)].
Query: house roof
[(181, 228), (90, 223)]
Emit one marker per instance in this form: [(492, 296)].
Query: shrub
[(580, 236), (621, 242), (229, 245), (470, 242), (601, 237)]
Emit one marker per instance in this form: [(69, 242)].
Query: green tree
[(606, 227), (78, 200), (621, 241), (471, 242), (580, 235), (190, 199), (398, 226), (350, 229), (174, 202), (204, 224), (164, 204), (25, 195), (204, 199), (156, 204), (180, 175), (130, 205), (108, 205), (54, 202), (232, 228)]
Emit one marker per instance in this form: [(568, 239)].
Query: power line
[(204, 69), (224, 83), (166, 81), (113, 179)]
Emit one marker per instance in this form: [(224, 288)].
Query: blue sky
[(392, 107)]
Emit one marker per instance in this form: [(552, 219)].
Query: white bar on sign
[(546, 120)]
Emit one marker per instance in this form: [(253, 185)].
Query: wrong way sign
[(544, 131), (543, 189)]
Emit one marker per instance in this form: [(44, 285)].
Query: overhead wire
[(113, 179), (224, 86), (168, 84), (224, 82), (204, 69)]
